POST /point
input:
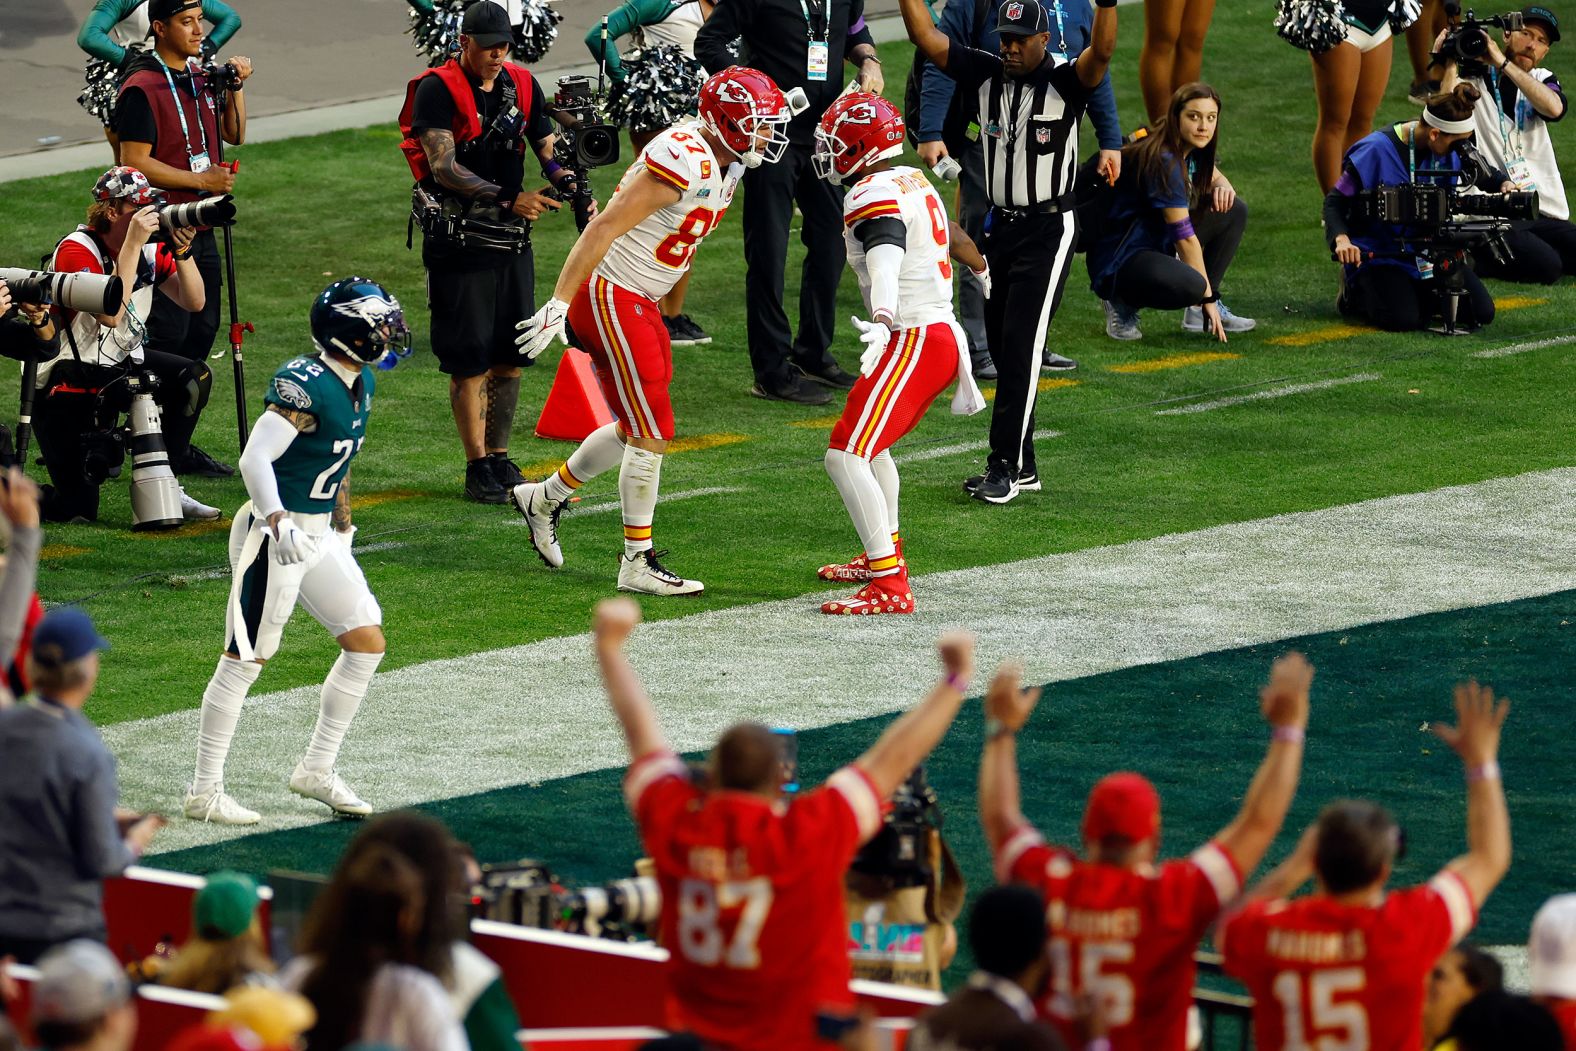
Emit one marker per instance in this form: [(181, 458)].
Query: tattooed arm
[(340, 518), (450, 173)]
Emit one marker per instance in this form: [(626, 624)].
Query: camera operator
[(82, 387), (170, 130), (469, 125), (1384, 283), (1520, 99)]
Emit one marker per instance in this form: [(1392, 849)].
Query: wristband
[(1288, 733), (1099, 1043), (551, 169), (995, 728), (1489, 771), (181, 254), (958, 681)]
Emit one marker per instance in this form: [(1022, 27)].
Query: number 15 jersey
[(652, 257)]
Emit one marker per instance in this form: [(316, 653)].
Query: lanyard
[(1061, 31), (180, 111), (1499, 114), (822, 12)]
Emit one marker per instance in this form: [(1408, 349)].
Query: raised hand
[(1283, 700), (613, 620), (1475, 737), (957, 653), (1007, 701), (537, 331)]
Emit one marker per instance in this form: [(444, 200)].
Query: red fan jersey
[(1124, 937), (1344, 977), (752, 896)]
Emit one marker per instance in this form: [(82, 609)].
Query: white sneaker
[(1121, 322), (196, 510), (1193, 320), (642, 573), (541, 517), (218, 806), (326, 786)]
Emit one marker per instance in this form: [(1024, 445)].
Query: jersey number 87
[(701, 937), (678, 247)]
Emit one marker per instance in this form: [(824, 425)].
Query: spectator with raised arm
[(20, 610)]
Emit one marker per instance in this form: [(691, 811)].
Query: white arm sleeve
[(883, 262), (271, 436)]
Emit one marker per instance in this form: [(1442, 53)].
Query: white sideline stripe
[(921, 455), (535, 712), (1273, 392), (1522, 348)]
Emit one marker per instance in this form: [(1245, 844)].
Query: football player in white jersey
[(901, 246), (626, 260)]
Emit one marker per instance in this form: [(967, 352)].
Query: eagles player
[(291, 543)]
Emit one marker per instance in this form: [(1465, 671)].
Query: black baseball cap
[(487, 24), (1021, 18), (164, 10), (1538, 13)]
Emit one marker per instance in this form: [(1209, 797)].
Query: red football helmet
[(858, 129), (740, 103)]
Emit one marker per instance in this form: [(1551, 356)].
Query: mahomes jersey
[(315, 463), (652, 257), (924, 290), (753, 901), (1323, 974), (1124, 937)]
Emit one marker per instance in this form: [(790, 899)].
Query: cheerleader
[(435, 25)]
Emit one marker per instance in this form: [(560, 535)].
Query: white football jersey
[(924, 294), (652, 257)]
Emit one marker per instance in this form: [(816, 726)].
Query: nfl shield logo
[(1042, 135), (1014, 11)]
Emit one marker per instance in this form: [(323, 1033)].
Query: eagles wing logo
[(371, 309), (292, 393), (1014, 11)]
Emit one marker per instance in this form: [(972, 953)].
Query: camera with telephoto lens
[(222, 75), (900, 851), (1466, 42), (89, 293), (210, 211), (523, 892), (622, 910), (590, 142), (1441, 209)]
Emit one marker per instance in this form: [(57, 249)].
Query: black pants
[(1541, 252), (1390, 298), (973, 204), (474, 312), (1161, 281), (770, 192), (180, 332), (1029, 259)]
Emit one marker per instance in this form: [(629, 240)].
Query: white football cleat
[(326, 786), (642, 573), (218, 806), (541, 517), (195, 510)]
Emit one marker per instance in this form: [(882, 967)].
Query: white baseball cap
[(1551, 949)]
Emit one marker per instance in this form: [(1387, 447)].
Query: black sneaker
[(1027, 483), (692, 332), (505, 470), (794, 389), (198, 463), (678, 336), (997, 487), (481, 484), (831, 375), (983, 367), (1053, 362)]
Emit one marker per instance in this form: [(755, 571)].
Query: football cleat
[(541, 517), (644, 574), (218, 806), (878, 596), (856, 571), (327, 787)]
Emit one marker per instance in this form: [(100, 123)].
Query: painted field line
[(816, 423), (213, 525), (1049, 383), (1323, 334), (1518, 302), (1174, 361), (705, 441), (1273, 392), (535, 712), (382, 496), (53, 552), (1522, 348), (977, 446)]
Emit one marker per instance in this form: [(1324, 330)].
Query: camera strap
[(180, 111)]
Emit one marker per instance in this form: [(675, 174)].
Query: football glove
[(537, 331), (875, 335), (983, 277), (293, 545)]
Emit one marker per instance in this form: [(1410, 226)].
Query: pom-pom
[(437, 35), (1312, 25), (102, 92), (1403, 13), (537, 30), (661, 86)]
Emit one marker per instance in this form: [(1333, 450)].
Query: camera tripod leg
[(238, 329), (24, 419)]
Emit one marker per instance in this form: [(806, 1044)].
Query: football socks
[(637, 493), (601, 451), (886, 477), (867, 507), (221, 710), (343, 690)]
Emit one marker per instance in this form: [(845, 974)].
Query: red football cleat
[(878, 596), (855, 572)]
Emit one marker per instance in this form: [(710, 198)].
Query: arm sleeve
[(1102, 114), (884, 261), (858, 30), (271, 436), (226, 23), (100, 851), (621, 21), (538, 124), (94, 35), (971, 67), (1172, 191), (1338, 206), (724, 26), (134, 118), (16, 588), (1234, 939), (1021, 856)]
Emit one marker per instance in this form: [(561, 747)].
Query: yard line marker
[(816, 423), (1522, 348), (1174, 361), (1518, 302), (705, 441), (1047, 384), (1273, 392), (1324, 334), (51, 552), (939, 451)]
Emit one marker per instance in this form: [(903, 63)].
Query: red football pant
[(919, 364), (631, 352)]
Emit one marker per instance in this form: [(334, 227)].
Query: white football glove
[(983, 277), (537, 331), (293, 545), (875, 336)]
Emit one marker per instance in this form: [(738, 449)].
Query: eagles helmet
[(361, 319)]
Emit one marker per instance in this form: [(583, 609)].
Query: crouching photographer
[(101, 366), (902, 893)]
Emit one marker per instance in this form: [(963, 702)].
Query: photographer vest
[(84, 339), (467, 119), (174, 146)]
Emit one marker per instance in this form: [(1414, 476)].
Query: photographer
[(82, 388), (1386, 282), (28, 332), (1519, 100), (170, 130), (469, 125)]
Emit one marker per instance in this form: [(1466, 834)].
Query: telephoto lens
[(210, 211), (89, 293)]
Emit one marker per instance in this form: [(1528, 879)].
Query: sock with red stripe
[(866, 506), (637, 493), (601, 451)]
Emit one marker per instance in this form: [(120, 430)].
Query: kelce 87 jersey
[(652, 257), (315, 463), (924, 294)]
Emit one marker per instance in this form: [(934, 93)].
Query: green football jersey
[(311, 469)]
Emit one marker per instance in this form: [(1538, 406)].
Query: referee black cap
[(1021, 18)]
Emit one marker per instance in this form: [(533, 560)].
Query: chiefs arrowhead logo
[(1014, 11), (860, 113), (733, 91)]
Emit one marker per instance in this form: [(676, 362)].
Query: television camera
[(587, 141)]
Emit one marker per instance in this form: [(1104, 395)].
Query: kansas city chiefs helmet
[(858, 130), (359, 318), (740, 103)]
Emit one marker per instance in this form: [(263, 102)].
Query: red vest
[(467, 121), (170, 145)]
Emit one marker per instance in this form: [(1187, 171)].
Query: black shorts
[(474, 314)]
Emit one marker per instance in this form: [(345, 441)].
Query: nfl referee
[(1030, 102)]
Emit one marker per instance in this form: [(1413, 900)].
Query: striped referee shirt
[(1029, 125)]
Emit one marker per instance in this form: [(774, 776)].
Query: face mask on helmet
[(363, 322)]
